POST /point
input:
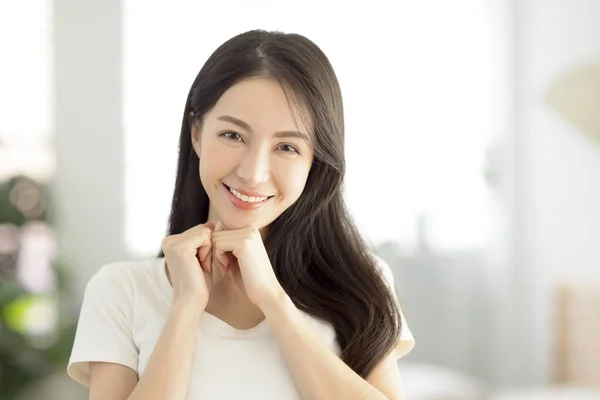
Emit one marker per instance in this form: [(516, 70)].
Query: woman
[(264, 288)]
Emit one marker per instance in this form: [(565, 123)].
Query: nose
[(254, 166)]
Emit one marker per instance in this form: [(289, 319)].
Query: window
[(26, 89), (424, 94)]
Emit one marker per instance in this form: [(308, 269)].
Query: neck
[(212, 215)]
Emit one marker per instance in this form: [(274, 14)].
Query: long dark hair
[(318, 255)]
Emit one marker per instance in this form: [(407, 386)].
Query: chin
[(234, 222)]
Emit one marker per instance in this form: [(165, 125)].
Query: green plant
[(29, 352)]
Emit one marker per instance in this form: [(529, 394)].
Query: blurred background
[(473, 152)]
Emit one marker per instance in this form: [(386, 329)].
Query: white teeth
[(247, 199)]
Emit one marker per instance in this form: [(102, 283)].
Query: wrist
[(187, 306), (275, 302)]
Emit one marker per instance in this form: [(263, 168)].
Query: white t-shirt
[(125, 307)]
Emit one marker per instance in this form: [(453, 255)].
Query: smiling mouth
[(247, 199)]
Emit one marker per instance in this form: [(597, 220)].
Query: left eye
[(233, 136), (286, 148)]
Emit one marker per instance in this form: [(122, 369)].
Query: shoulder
[(406, 342), (120, 277), (383, 268)]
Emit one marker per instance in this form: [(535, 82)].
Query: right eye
[(232, 136)]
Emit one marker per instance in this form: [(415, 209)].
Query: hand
[(189, 263), (243, 253)]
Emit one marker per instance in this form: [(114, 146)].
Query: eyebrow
[(278, 134)]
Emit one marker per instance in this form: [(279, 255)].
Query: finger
[(199, 258), (224, 249), (193, 242), (210, 225), (221, 260), (187, 246), (209, 261), (204, 250), (205, 259), (217, 264), (198, 229), (222, 228), (220, 267), (230, 234), (223, 234), (217, 254), (220, 257)]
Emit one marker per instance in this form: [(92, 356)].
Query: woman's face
[(254, 159)]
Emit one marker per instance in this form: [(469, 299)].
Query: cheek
[(294, 182), (208, 174), (204, 174), (210, 166)]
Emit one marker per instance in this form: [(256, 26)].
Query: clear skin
[(248, 141), (271, 156), (222, 267)]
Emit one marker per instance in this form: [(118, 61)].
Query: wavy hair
[(317, 253)]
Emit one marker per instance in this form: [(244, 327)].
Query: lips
[(246, 200)]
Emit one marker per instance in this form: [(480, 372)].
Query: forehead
[(262, 103)]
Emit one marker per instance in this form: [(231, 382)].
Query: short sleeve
[(104, 329), (406, 341)]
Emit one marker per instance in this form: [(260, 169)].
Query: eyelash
[(227, 136)]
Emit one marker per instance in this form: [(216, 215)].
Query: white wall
[(88, 188), (89, 142), (561, 214)]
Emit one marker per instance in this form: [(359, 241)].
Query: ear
[(195, 129)]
